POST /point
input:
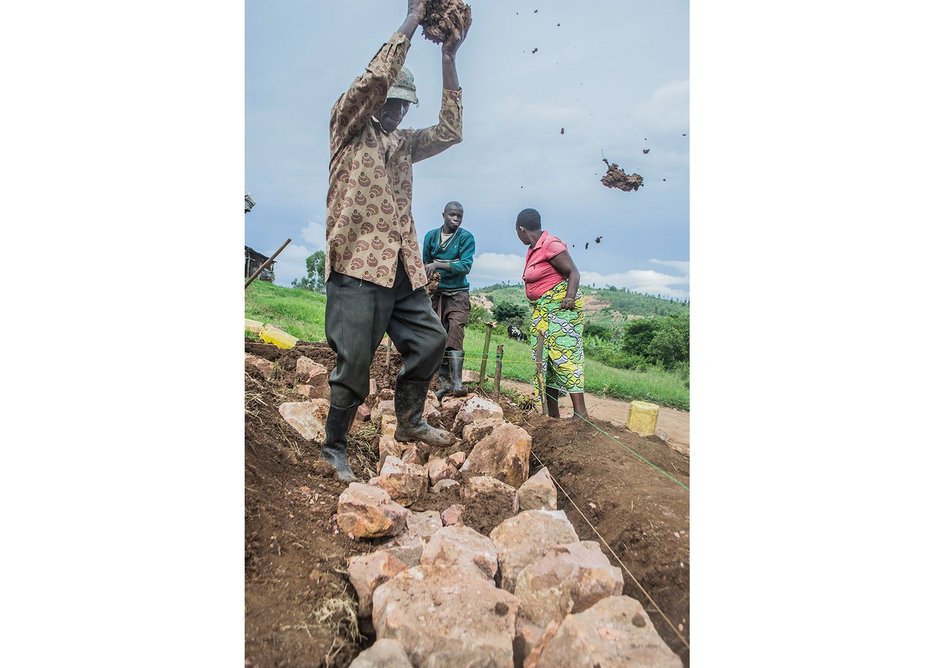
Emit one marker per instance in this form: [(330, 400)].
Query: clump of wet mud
[(434, 283), (444, 18), (616, 178)]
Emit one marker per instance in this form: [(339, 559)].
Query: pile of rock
[(437, 592)]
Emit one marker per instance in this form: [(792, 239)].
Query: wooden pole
[(498, 369), (266, 262), (387, 356), (538, 356), (485, 352)]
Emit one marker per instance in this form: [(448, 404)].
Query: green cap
[(403, 87)]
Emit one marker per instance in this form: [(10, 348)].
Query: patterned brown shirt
[(369, 224)]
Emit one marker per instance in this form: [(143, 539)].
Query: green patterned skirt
[(562, 358)]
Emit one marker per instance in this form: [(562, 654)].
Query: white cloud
[(315, 234), (667, 108), (489, 268), (647, 281), (682, 266), (291, 263)]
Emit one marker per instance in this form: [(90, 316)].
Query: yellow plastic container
[(643, 418), (278, 337), (253, 326)]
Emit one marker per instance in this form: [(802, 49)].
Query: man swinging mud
[(374, 272)]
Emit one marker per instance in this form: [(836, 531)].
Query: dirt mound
[(593, 304), (616, 178), (443, 18), (299, 605)]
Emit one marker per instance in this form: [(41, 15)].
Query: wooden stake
[(498, 369), (266, 262), (538, 356), (485, 352)]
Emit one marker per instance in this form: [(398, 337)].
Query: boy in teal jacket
[(449, 251)]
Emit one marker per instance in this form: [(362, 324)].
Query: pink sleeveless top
[(539, 274)]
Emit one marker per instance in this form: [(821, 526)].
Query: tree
[(637, 336), (510, 314), (316, 271), (670, 344)]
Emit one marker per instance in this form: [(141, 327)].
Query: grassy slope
[(626, 303), (302, 313)]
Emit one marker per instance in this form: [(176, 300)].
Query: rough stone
[(404, 482), (430, 412), (489, 491), (388, 447), (384, 408), (440, 469), (523, 539), (474, 432), (363, 413), (504, 454), (464, 548), (408, 545), (444, 618), (410, 454), (475, 409), (266, 367), (303, 390), (367, 571), (457, 458), (568, 578), (315, 375), (443, 484), (470, 376), (615, 631), (307, 417), (538, 492), (385, 653), (453, 515), (366, 511)]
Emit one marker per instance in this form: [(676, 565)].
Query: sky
[(614, 75)]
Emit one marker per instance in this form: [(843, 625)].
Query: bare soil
[(616, 178), (299, 605), (443, 18)]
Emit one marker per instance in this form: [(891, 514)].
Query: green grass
[(661, 387), (302, 313), (299, 312)]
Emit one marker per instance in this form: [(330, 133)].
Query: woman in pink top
[(551, 281)]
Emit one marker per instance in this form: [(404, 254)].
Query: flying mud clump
[(445, 17), (616, 178)]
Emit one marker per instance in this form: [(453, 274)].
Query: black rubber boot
[(409, 400), (446, 381), (456, 373), (335, 446)]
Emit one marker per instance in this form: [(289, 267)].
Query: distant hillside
[(604, 306)]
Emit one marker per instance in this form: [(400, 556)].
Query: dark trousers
[(358, 313), (453, 311)]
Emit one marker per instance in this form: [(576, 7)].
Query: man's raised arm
[(448, 131), (368, 92)]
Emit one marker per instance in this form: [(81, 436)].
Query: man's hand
[(452, 44), (416, 9), (432, 268), (568, 304)]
